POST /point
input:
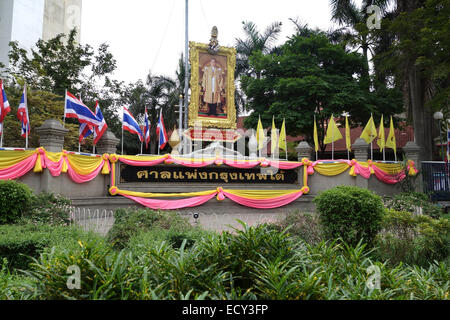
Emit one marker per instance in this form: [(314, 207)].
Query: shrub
[(254, 263), (413, 202), (50, 209), (303, 225), (413, 239), (15, 198), (350, 213), (141, 241), (20, 242), (129, 222)]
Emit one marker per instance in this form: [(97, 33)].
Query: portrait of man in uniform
[(212, 71), (211, 102), (212, 86)]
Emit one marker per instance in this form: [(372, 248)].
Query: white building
[(27, 21)]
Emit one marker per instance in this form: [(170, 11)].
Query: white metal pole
[(186, 68), (28, 118), (332, 143), (65, 107), (1, 138), (122, 131), (371, 151)]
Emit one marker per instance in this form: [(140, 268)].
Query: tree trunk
[(422, 117)]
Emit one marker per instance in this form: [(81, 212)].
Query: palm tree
[(254, 41), (356, 33)]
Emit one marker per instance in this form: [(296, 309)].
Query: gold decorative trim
[(195, 49)]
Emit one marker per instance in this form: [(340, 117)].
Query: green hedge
[(15, 200), (130, 222), (20, 242), (351, 213), (413, 239)]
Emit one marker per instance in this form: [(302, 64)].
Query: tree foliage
[(311, 76)]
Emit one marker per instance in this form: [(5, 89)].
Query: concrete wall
[(27, 21), (6, 18), (61, 16)]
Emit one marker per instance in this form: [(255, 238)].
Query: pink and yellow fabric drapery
[(80, 168), (260, 199), (83, 168)]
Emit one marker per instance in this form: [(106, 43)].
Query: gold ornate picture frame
[(221, 114)]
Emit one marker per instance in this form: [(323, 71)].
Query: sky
[(149, 35)]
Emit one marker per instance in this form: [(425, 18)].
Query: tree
[(419, 58), (311, 76), (42, 105)]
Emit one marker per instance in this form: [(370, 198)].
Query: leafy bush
[(50, 209), (20, 242), (350, 213), (15, 198), (14, 286), (413, 239), (306, 226), (141, 241), (129, 222), (254, 263), (413, 202)]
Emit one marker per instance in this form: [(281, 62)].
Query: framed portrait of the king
[(212, 87)]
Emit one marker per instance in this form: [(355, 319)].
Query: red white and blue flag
[(130, 124), (22, 114), (4, 104), (101, 129), (161, 132), (76, 109), (85, 131), (146, 129)]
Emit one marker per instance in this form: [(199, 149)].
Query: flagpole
[(371, 151), (159, 133), (1, 138), (332, 142), (65, 108), (285, 139), (122, 130), (28, 119)]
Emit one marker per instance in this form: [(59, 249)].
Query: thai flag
[(85, 131), (22, 114), (161, 132), (146, 129), (130, 124), (101, 129), (4, 104), (76, 109)]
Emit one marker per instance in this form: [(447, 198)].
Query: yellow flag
[(333, 132), (348, 142), (381, 139), (273, 137), (316, 138), (260, 135), (390, 141), (370, 131), (282, 139)]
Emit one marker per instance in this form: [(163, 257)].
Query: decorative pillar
[(361, 150), (304, 150), (412, 152), (107, 143), (51, 135)]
